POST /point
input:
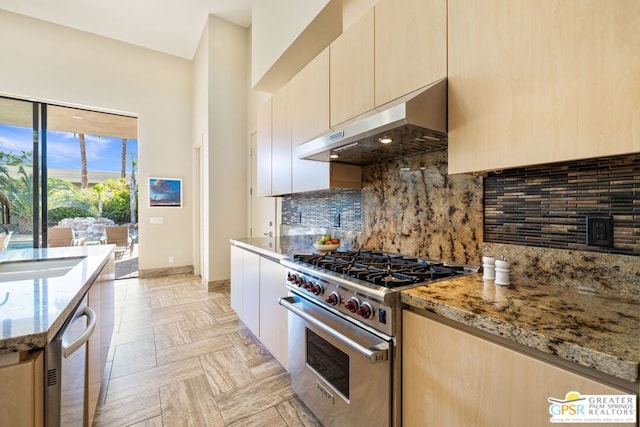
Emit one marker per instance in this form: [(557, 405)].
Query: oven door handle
[(375, 354)]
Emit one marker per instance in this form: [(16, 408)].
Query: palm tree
[(100, 190), (123, 157), (84, 178), (133, 194), (19, 191)]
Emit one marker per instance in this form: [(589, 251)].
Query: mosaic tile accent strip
[(547, 206), (320, 210)]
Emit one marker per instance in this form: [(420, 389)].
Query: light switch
[(156, 220)]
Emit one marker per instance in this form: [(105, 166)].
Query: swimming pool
[(20, 244)]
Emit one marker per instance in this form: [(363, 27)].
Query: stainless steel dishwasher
[(66, 369)]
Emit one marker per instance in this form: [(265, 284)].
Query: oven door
[(339, 370)]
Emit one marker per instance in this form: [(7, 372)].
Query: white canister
[(502, 272), (488, 268)]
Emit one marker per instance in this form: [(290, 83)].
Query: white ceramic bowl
[(326, 247)]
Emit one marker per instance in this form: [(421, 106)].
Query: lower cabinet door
[(453, 378), (273, 317), (21, 392), (251, 293)]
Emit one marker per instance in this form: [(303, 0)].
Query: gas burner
[(380, 268)]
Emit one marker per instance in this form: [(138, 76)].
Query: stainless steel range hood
[(415, 125)]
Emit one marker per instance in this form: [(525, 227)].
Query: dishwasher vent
[(52, 377)]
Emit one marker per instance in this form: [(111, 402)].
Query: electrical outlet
[(299, 217), (599, 231), (336, 220), (170, 260)]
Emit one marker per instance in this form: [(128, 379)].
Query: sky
[(63, 148)]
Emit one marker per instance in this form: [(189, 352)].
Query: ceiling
[(170, 26), (67, 119)]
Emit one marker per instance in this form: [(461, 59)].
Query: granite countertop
[(278, 247), (595, 331), (32, 311)]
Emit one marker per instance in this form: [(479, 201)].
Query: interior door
[(262, 210)]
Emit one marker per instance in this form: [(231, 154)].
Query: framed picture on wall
[(165, 193)]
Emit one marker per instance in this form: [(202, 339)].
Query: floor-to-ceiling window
[(63, 166), (19, 171)]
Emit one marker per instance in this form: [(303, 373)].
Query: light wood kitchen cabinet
[(245, 287), (310, 119), (263, 150), (257, 283), (281, 153), (251, 292), (237, 279), (310, 98), (410, 46), (22, 391), (274, 319), (453, 378), (296, 114), (542, 81), (352, 71)]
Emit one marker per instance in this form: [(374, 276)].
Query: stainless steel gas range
[(345, 334)]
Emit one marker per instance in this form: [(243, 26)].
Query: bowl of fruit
[(327, 243)]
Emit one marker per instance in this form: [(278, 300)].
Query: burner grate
[(380, 268)]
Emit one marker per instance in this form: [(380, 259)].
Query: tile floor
[(180, 357)]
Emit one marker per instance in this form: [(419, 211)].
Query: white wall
[(220, 102), (289, 18), (58, 64), (200, 99)]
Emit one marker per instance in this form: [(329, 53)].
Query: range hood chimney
[(413, 125)]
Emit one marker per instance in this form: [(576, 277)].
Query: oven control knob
[(307, 285), (317, 289), (352, 305), (365, 310), (333, 299)]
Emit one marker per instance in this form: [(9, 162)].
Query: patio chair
[(62, 236), (4, 240), (119, 236)]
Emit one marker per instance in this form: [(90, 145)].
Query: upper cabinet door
[(263, 150), (352, 71), (534, 82), (310, 92), (410, 46), (310, 118), (281, 142)]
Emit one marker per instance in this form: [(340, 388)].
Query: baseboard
[(166, 271), (219, 285)]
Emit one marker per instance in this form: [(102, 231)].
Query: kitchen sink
[(36, 269)]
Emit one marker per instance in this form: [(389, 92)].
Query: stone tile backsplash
[(409, 206), (413, 206), (532, 216), (546, 206)]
